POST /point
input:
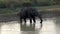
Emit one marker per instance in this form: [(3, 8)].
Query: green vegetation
[(8, 7), (7, 11), (16, 3)]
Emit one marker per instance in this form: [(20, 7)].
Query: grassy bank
[(8, 11)]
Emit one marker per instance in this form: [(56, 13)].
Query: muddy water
[(11, 25), (50, 26)]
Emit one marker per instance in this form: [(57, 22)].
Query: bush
[(2, 5)]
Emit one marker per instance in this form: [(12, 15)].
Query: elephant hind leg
[(34, 20), (30, 20), (25, 20)]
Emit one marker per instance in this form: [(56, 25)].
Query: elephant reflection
[(24, 27)]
